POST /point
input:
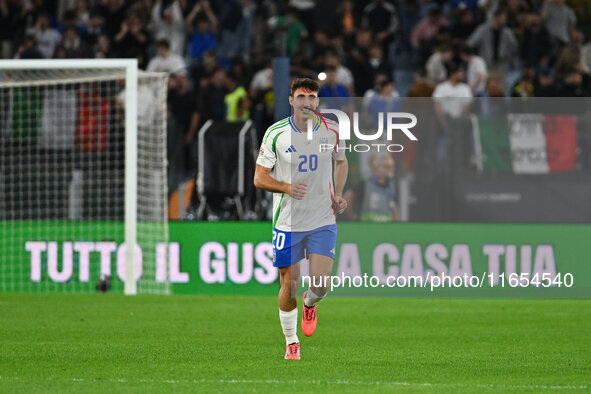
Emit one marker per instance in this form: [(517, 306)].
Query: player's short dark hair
[(304, 83)]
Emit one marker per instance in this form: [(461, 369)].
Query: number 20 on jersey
[(308, 163)]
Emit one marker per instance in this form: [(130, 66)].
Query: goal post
[(83, 117), (130, 175)]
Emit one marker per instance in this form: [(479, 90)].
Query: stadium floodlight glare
[(322, 76), (73, 109)]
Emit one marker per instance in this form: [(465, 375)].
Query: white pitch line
[(328, 382)]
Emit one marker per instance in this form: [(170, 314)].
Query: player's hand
[(341, 204), (298, 190)]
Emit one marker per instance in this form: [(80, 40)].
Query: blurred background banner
[(236, 258)]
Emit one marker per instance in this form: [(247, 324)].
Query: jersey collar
[(295, 128)]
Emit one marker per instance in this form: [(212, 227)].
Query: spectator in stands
[(569, 60), (114, 15), (238, 72), (332, 88), (545, 85), (71, 20), (494, 88), (367, 65), (425, 31), (381, 19), (183, 106), (322, 45), (383, 101), (586, 56), (573, 86), (464, 26), (458, 6), (422, 86), (378, 62), (436, 66), (363, 41), (46, 37), (102, 49), (560, 20), (347, 23), (343, 74), (516, 10), (261, 92), (374, 199), (453, 97), (212, 96), (165, 60), (537, 47), (494, 41), (476, 70), (29, 49), (305, 10), (7, 20), (71, 46), (262, 79), (236, 20), (496, 44), (375, 89), (289, 31), (94, 29), (82, 13), (202, 71), (133, 39), (203, 35), (168, 24), (524, 87), (236, 100), (143, 9)]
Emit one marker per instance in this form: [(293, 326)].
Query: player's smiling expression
[(303, 99)]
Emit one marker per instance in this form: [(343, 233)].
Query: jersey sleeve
[(267, 156), (339, 154)]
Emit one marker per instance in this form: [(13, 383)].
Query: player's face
[(303, 100)]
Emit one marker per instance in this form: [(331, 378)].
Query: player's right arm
[(264, 180)]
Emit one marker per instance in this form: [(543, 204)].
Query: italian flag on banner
[(43, 118), (526, 143)]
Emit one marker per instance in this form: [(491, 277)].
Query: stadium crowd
[(218, 53)]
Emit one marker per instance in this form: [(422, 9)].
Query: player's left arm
[(341, 169)]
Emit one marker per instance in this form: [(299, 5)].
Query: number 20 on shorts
[(278, 240)]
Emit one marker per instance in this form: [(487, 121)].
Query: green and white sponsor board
[(492, 260)]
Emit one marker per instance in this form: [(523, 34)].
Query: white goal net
[(63, 184)]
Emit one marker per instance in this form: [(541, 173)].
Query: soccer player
[(299, 172)]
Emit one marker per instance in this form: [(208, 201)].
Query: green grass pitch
[(109, 343)]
